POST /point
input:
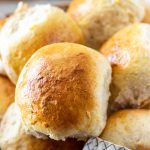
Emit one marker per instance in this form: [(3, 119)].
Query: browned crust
[(58, 87)]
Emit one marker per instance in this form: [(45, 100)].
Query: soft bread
[(63, 91), (14, 137), (7, 92), (100, 19), (29, 30), (129, 53), (129, 128)]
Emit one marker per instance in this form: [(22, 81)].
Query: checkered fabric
[(96, 143)]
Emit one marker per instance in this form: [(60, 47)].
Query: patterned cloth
[(96, 143)]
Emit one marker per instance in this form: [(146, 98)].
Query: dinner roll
[(129, 53), (7, 92), (29, 30), (129, 128), (100, 19), (63, 91), (14, 137)]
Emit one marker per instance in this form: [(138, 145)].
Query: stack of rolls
[(62, 83), (66, 92)]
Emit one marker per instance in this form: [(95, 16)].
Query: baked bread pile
[(69, 76)]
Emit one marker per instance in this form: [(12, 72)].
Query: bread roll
[(129, 128), (63, 91), (7, 92), (129, 53), (29, 30), (14, 137), (100, 19)]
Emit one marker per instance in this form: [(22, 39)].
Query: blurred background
[(7, 6)]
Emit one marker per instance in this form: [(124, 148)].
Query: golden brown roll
[(7, 94), (29, 30), (129, 128), (14, 137), (129, 53), (63, 91), (100, 19)]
